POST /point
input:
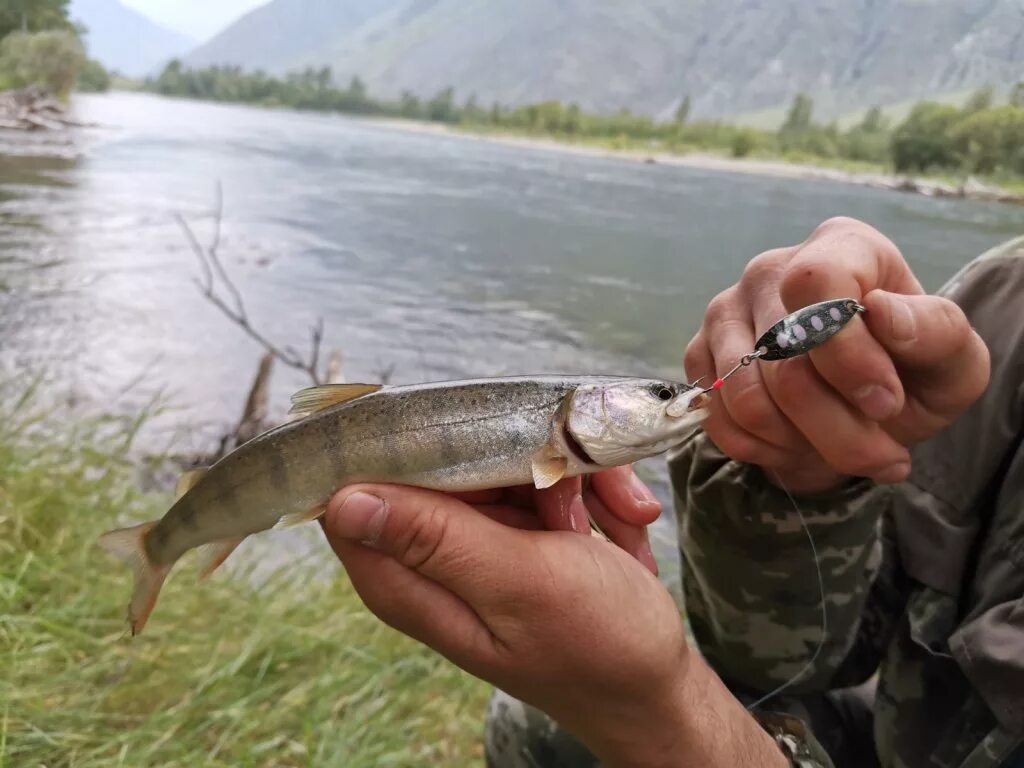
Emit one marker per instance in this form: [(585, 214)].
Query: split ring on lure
[(798, 333)]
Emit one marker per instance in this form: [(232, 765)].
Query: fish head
[(622, 421)]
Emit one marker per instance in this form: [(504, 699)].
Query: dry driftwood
[(33, 108)]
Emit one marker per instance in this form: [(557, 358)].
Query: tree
[(798, 119), (982, 98), (990, 139), (874, 121), (409, 106), (1017, 95), (924, 139), (50, 59), (441, 108), (683, 111), (33, 16)]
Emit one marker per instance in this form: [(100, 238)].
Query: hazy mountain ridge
[(731, 56), (125, 40)]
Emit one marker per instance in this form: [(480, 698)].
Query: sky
[(199, 19)]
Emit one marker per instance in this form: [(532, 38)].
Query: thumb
[(433, 534), (943, 362)]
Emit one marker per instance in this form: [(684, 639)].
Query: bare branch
[(216, 279)]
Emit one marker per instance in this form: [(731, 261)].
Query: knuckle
[(721, 306), (420, 541), (841, 225), (765, 266)]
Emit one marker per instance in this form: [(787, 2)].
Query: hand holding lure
[(798, 333)]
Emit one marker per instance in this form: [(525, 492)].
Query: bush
[(51, 59), (924, 139), (93, 78)]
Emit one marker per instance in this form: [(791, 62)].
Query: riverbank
[(295, 672), (863, 175)]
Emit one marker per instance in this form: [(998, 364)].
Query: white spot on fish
[(799, 332), (835, 314), (782, 340), (817, 323)]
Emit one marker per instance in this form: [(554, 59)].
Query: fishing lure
[(798, 333)]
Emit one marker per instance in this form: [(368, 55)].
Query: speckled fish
[(452, 436)]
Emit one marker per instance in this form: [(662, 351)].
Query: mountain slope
[(731, 56), (123, 39)]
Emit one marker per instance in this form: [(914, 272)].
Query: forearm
[(751, 578), (701, 723)]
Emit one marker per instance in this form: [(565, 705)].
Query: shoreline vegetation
[(975, 151), (260, 667)]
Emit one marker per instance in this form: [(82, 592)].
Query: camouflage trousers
[(519, 736)]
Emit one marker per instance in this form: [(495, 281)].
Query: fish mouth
[(688, 407)]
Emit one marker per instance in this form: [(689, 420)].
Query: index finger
[(844, 259)]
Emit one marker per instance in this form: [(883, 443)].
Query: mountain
[(730, 56), (124, 40)]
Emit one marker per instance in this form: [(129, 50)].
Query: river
[(433, 256)]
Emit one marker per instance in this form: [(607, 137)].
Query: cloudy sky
[(199, 19)]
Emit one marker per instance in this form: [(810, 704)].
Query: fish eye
[(664, 393)]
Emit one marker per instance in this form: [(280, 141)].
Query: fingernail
[(877, 402), (579, 520), (904, 327), (360, 517), (896, 473), (640, 491), (646, 557)]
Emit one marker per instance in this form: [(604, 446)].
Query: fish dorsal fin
[(316, 399), (188, 480)]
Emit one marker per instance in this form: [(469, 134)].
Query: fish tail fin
[(127, 545)]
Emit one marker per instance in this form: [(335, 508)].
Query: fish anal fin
[(188, 481), (315, 399), (128, 545), (213, 555), (548, 468), (298, 518)]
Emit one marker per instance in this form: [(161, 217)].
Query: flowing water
[(429, 256)]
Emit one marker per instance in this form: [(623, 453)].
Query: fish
[(449, 436)]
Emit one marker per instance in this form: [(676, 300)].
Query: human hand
[(854, 405), (569, 623)]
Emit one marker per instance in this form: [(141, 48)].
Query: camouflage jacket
[(924, 581)]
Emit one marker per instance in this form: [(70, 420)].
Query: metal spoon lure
[(798, 333)]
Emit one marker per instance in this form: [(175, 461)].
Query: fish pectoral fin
[(548, 468), (213, 555), (315, 399), (188, 481), (298, 518)]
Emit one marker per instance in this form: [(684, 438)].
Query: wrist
[(696, 721)]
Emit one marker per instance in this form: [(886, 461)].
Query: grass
[(292, 673)]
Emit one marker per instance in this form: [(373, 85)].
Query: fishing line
[(809, 666), (794, 335)]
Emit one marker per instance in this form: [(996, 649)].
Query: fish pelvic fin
[(213, 555), (128, 545), (315, 399), (298, 518), (547, 469)]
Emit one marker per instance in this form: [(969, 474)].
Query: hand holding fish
[(854, 405), (569, 623)]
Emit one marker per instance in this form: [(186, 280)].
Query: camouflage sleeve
[(750, 580)]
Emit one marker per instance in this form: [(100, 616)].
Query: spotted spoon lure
[(798, 333)]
